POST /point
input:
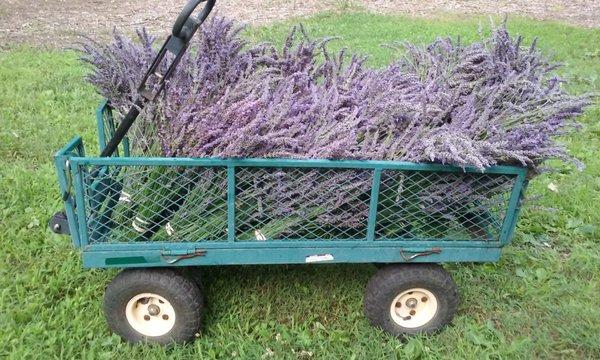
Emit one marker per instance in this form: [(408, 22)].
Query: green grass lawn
[(541, 300)]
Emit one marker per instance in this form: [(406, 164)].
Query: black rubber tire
[(183, 294), (380, 265), (391, 280), (194, 273)]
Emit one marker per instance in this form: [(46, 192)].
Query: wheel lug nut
[(411, 303), (146, 317), (165, 317), (424, 299), (412, 312), (153, 310)]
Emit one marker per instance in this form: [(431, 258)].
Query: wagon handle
[(176, 44), (184, 20)]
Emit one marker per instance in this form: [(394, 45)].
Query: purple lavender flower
[(490, 102)]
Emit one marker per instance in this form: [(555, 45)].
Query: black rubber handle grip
[(187, 11)]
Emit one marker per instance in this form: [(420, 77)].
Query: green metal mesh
[(301, 203), (178, 204), (442, 206), (141, 203)]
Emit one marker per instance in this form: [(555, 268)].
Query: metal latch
[(174, 255), (415, 254)]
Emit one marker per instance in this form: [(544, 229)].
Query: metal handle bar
[(187, 11), (176, 44)]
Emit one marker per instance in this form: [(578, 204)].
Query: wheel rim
[(414, 308), (150, 314)]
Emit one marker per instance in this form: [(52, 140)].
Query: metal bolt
[(165, 317), (412, 303), (146, 317), (153, 310)]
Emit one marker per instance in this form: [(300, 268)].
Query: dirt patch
[(56, 23)]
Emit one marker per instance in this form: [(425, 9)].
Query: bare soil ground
[(56, 23)]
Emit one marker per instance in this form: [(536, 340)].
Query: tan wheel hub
[(413, 308), (150, 314)]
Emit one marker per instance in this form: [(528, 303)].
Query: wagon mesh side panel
[(163, 203), (188, 204), (301, 203), (442, 206)]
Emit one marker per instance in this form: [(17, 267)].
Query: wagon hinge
[(415, 254), (173, 256)]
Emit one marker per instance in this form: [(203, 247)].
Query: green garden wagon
[(411, 218)]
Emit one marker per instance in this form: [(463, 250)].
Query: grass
[(541, 300)]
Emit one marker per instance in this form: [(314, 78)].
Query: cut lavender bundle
[(218, 58), (469, 105)]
